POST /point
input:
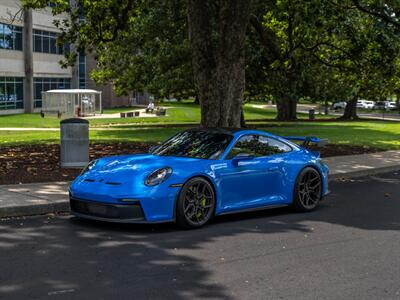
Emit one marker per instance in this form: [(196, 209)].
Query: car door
[(255, 180)]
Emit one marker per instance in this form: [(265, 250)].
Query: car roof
[(237, 132)]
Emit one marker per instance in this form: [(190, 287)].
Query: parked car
[(365, 104), (369, 104), (360, 104), (339, 105), (391, 105), (385, 105), (201, 173), (380, 105)]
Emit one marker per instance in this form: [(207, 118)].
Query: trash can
[(74, 143), (311, 114)]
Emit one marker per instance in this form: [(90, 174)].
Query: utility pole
[(28, 60)]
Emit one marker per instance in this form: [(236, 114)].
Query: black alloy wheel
[(196, 203), (308, 190)]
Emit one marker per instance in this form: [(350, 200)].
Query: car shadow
[(73, 258)]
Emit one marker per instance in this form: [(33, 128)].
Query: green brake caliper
[(200, 212)]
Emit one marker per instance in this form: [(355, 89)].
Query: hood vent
[(113, 183), (108, 182), (89, 180)]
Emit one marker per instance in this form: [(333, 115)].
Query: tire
[(308, 190), (196, 203)]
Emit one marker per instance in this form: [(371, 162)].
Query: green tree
[(145, 45), (138, 45), (183, 48), (152, 53), (303, 39)]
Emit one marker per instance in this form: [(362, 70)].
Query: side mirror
[(241, 157)]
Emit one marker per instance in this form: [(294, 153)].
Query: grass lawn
[(106, 136), (385, 135), (177, 113)]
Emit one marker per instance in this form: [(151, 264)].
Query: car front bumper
[(123, 203), (126, 213)]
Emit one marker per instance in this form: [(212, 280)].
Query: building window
[(10, 37), (46, 42), (45, 84), (11, 93), (82, 70)]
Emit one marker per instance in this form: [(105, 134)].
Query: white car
[(365, 104), (386, 105), (369, 104), (339, 105), (391, 105), (360, 104)]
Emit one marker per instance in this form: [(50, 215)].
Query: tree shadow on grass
[(77, 259)]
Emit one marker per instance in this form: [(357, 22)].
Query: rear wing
[(307, 140)]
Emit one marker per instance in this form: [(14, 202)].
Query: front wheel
[(196, 203), (308, 190)]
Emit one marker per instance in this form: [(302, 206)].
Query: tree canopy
[(312, 47), (222, 50)]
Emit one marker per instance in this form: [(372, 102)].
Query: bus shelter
[(71, 103)]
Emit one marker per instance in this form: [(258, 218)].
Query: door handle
[(273, 169)]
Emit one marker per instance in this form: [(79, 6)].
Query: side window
[(273, 146), (247, 144), (258, 146)]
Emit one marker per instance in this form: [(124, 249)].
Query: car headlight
[(158, 176), (90, 166)]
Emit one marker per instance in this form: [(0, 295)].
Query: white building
[(29, 62), (29, 59)]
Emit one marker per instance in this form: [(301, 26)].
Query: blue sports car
[(200, 173)]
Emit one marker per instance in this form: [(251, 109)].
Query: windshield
[(195, 143)]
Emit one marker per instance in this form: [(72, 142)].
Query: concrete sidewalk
[(33, 199), (350, 166), (42, 198)]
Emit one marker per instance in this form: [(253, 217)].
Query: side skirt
[(272, 206)]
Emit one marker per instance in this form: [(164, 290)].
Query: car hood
[(122, 168)]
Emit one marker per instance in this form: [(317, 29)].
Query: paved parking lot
[(347, 249)]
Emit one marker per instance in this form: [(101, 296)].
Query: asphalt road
[(348, 249)]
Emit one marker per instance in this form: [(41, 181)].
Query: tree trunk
[(219, 66), (196, 100), (286, 109), (287, 104), (326, 109), (350, 112)]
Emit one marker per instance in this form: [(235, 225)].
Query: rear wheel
[(307, 192), (196, 203)]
